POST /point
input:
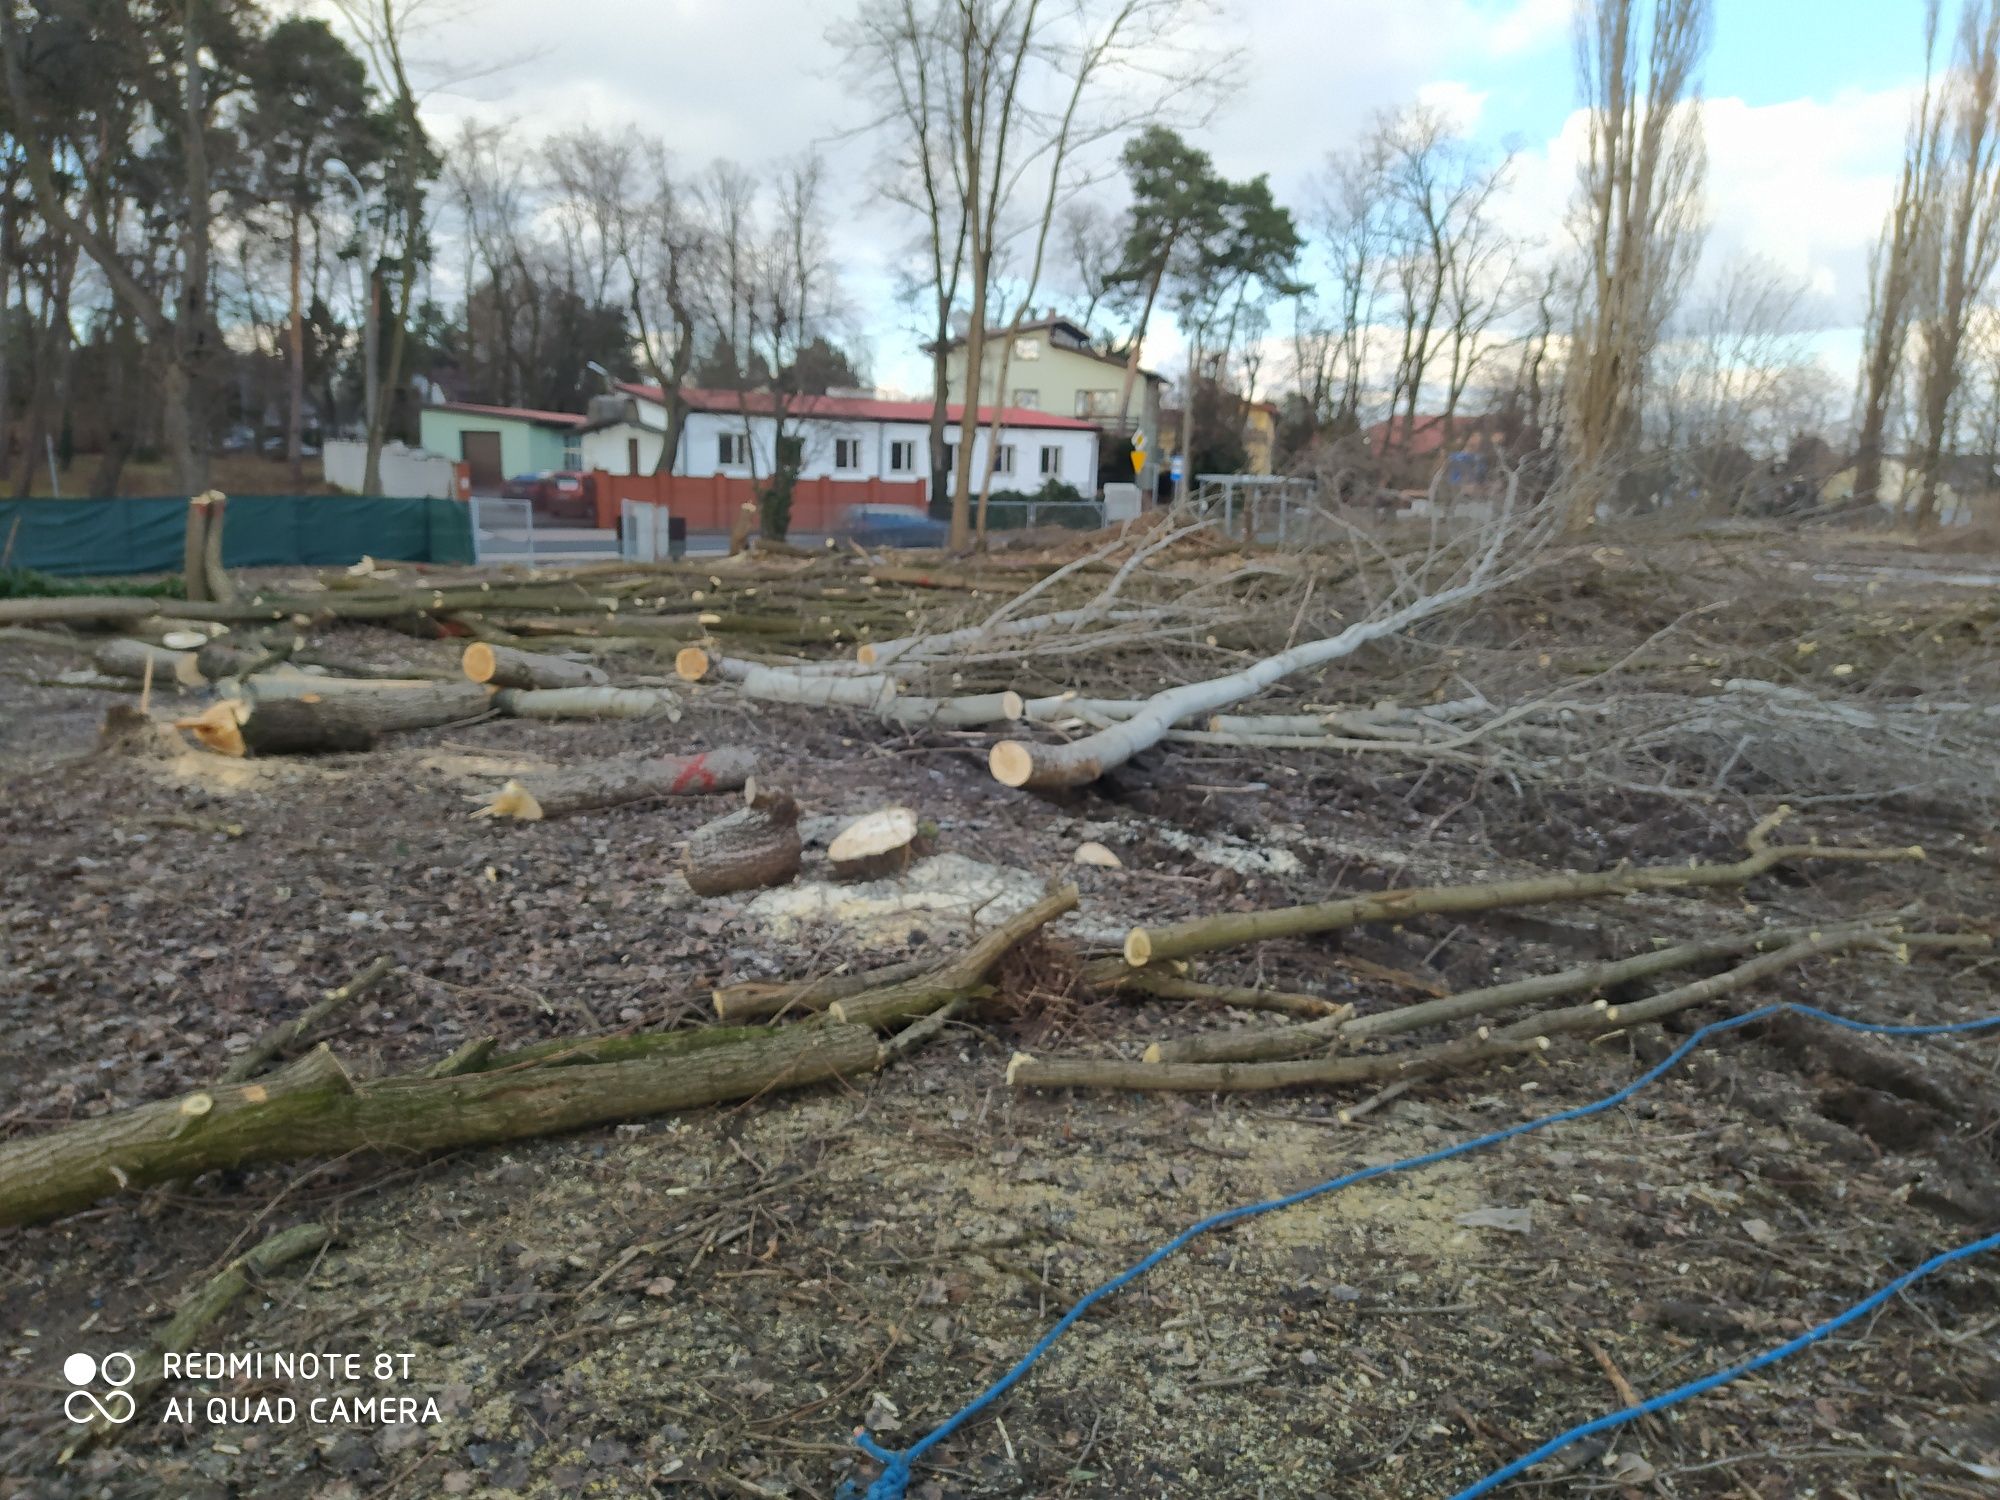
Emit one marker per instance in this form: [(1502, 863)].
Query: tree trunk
[(306, 715), (194, 555), (295, 419), (138, 660), (614, 783), (756, 1000), (755, 846), (587, 703), (313, 1109), (505, 668), (1144, 945), (1186, 486), (957, 979)]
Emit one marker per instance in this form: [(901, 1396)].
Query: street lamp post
[(371, 333)]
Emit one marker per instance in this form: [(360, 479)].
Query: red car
[(560, 494)]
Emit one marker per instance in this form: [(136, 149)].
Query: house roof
[(514, 413), (851, 408), (1083, 340), (1428, 436)]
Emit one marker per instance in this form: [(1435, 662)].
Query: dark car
[(559, 494), (892, 526)]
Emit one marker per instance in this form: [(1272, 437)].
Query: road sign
[(1138, 449), (1174, 469)]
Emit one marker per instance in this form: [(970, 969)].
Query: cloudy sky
[(1805, 111)]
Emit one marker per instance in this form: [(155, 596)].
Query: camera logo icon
[(84, 1404)]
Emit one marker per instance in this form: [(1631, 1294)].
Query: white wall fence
[(407, 473)]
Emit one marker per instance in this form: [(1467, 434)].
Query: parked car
[(872, 525), (559, 494)]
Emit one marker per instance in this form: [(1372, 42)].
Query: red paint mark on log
[(696, 770)]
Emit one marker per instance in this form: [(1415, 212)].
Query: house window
[(951, 458), (732, 449), (1027, 350), (1028, 398), (572, 453), (903, 457), (1096, 403), (1052, 460), (847, 453), (1003, 461)]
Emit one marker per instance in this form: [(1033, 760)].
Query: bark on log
[(957, 979), (198, 1312), (587, 703), (135, 660), (1585, 979), (873, 693), (313, 1108), (194, 553), (305, 716), (507, 668), (1203, 934), (280, 1040), (616, 782), (120, 609), (1243, 997), (756, 1000), (753, 847), (1041, 767)]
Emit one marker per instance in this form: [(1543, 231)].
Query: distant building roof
[(1075, 340), (514, 413), (1426, 439), (849, 408)]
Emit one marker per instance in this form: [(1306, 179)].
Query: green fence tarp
[(100, 538)]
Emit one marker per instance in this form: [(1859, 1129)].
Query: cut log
[(1203, 934), (280, 1040), (875, 845), (137, 661), (755, 846), (194, 556), (1241, 997), (755, 1000), (300, 716), (616, 782), (957, 979), (504, 667), (239, 654), (313, 1108), (588, 703)]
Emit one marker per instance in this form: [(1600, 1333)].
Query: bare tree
[(1897, 267), (1352, 219), (1639, 219), (1968, 240), (995, 99)]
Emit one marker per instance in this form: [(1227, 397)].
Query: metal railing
[(503, 531)]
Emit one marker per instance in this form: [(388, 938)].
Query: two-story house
[(1054, 369)]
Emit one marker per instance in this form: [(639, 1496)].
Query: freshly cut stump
[(502, 666), (875, 845), (755, 846)]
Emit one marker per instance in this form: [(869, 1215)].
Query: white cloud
[(1803, 184), (1457, 102)]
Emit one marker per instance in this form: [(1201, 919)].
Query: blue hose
[(894, 1480)]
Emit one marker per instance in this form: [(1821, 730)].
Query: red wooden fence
[(710, 502)]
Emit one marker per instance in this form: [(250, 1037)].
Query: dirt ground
[(709, 1304)]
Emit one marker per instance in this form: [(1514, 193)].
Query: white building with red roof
[(733, 434)]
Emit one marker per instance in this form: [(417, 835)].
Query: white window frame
[(732, 450), (847, 454), (572, 459), (902, 455), (1003, 459), (1027, 398), (1052, 460)]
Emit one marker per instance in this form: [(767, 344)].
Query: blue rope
[(1708, 1383), (894, 1480)]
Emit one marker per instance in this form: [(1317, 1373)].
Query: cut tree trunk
[(138, 661), (587, 703), (306, 715), (756, 1000), (313, 1108), (755, 846), (875, 845), (614, 783), (194, 556), (957, 979), (507, 668), (1041, 767), (1202, 934)]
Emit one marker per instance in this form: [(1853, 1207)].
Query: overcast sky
[(1805, 113)]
